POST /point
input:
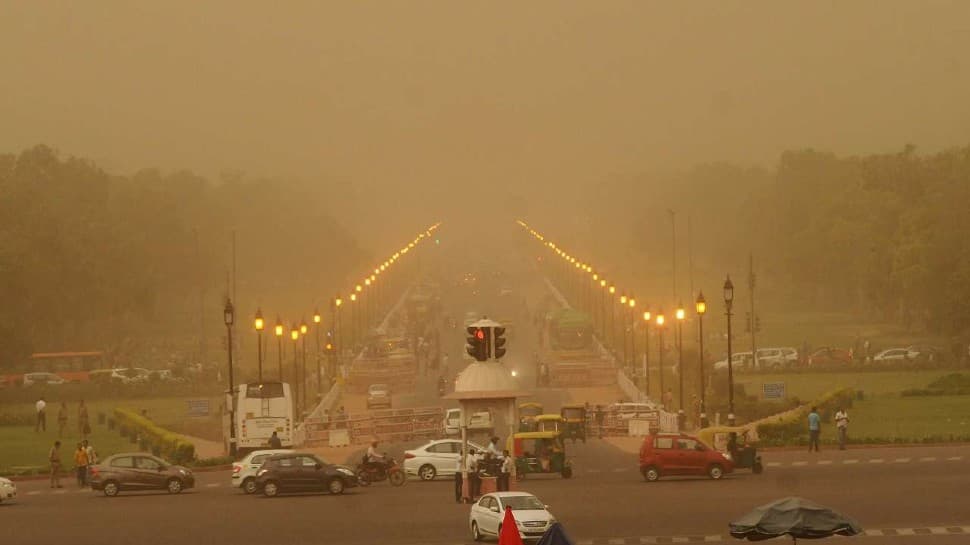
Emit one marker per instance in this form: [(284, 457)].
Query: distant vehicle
[(139, 471), (71, 366), (8, 490), (130, 375), (452, 422), (925, 353), (378, 395), (892, 355), (435, 458), (532, 517), (777, 358), (163, 375), (481, 420), (739, 360), (830, 356), (628, 410), (300, 472), (680, 454), (244, 471), (41, 379), (261, 409)]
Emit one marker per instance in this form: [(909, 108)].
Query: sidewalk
[(205, 448)]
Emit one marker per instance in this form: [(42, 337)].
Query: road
[(907, 496)]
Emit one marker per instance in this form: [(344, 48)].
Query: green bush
[(948, 385), (170, 445), (791, 428), (217, 461)]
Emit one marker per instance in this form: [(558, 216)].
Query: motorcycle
[(388, 470)]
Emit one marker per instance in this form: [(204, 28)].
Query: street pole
[(680, 359), (660, 361), (646, 352), (259, 352), (229, 316), (701, 308), (754, 319), (728, 303), (303, 380), (279, 353)]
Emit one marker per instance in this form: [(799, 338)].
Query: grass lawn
[(20, 446), (890, 416), (808, 386)]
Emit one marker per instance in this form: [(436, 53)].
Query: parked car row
[(826, 356)]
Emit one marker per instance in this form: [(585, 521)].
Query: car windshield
[(523, 503)]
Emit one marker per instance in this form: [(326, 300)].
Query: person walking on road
[(505, 472), (41, 424), (81, 465), (274, 441), (54, 459), (92, 456), (61, 419), (83, 423), (669, 399), (474, 480), (814, 429), (842, 424), (458, 479)]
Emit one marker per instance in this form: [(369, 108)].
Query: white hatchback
[(438, 457), (244, 471), (532, 517), (8, 490)]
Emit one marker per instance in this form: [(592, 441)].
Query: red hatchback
[(680, 454)]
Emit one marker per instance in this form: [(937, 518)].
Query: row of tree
[(882, 236), (140, 264)]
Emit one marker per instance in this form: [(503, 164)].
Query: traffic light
[(477, 343), (499, 340)]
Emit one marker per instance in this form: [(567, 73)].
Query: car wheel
[(651, 474), (271, 489), (715, 471), (427, 472), (476, 533), (111, 489), (336, 486), (249, 486), (174, 486)]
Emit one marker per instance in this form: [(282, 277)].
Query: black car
[(301, 472)]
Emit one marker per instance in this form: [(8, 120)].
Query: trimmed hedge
[(170, 445), (791, 428)]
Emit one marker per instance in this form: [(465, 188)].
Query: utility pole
[(754, 319), (673, 248), (690, 259)]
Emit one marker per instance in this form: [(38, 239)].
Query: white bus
[(261, 409)]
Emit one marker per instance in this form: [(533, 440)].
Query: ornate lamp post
[(701, 306), (646, 352), (303, 331), (229, 315), (259, 324), (316, 332), (660, 361), (623, 300), (728, 303), (612, 290), (278, 330), (295, 336), (632, 324), (680, 314)]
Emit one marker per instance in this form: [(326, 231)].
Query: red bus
[(71, 366)]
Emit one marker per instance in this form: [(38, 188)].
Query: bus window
[(265, 390)]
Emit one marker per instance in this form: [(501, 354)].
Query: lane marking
[(850, 461), (212, 485), (62, 491), (955, 458), (799, 463), (593, 470), (938, 530), (901, 460), (620, 469), (928, 459), (712, 538), (617, 541), (824, 462), (876, 461), (773, 464), (33, 492), (905, 532)]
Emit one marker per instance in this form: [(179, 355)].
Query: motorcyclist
[(373, 460)]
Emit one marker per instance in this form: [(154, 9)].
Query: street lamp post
[(623, 300), (337, 333), (303, 331), (295, 336), (603, 310), (278, 330), (646, 352), (612, 319), (354, 317), (680, 355), (728, 303), (228, 314), (259, 324), (632, 323), (316, 331), (660, 346), (701, 306)]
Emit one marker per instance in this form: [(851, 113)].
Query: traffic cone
[(510, 532)]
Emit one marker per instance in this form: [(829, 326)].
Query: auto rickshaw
[(540, 452), (736, 443), (527, 416), (549, 422), (574, 422)]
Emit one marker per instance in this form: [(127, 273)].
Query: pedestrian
[(842, 425), (600, 413), (61, 419), (54, 459), (474, 480), (493, 448), (274, 441), (505, 472), (83, 424), (458, 479), (669, 399), (41, 423), (92, 456), (814, 428), (81, 465)]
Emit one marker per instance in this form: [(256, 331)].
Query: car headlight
[(345, 471), (261, 472), (727, 456), (183, 472)]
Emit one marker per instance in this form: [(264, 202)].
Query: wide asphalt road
[(896, 491)]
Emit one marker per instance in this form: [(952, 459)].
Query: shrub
[(209, 462), (792, 427), (170, 445)]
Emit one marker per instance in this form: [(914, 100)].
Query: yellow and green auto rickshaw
[(736, 442), (527, 415), (549, 422), (540, 452), (574, 422)]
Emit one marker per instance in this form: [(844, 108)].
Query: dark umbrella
[(556, 535), (796, 517)]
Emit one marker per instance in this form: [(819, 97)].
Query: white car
[(531, 515), (739, 360), (244, 471), (892, 355), (438, 457), (452, 422), (42, 378), (628, 410), (378, 395), (8, 490)]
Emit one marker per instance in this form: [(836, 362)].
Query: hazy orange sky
[(390, 96)]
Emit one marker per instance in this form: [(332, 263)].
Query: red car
[(680, 454), (830, 356)]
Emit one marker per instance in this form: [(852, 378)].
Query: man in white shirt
[(504, 473), (458, 479), (842, 424), (474, 481), (41, 415), (373, 458)]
